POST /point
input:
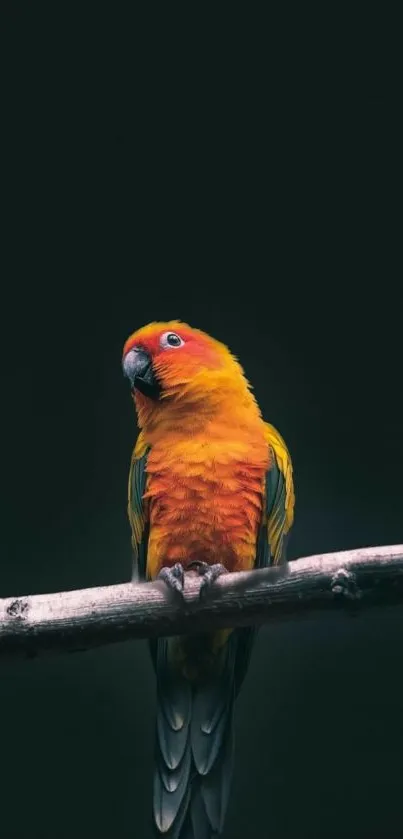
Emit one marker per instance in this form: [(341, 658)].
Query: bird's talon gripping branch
[(173, 577), (210, 573)]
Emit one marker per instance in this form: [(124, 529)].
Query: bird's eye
[(171, 339)]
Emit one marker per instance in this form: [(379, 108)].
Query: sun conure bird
[(210, 489)]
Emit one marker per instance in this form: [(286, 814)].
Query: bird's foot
[(210, 573), (173, 577)]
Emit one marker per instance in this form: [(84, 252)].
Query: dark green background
[(241, 178)]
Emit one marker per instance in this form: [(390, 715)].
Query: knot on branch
[(17, 608), (344, 584)]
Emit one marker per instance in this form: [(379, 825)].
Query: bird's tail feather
[(194, 740)]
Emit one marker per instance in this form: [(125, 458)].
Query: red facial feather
[(196, 346)]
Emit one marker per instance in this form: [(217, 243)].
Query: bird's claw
[(173, 577), (210, 573)]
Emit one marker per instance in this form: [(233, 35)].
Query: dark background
[(240, 176)]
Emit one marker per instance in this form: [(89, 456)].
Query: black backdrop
[(211, 171)]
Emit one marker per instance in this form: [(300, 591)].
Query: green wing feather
[(278, 511), (137, 509)]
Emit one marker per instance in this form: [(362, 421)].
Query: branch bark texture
[(77, 620)]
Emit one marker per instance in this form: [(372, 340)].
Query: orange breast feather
[(205, 494)]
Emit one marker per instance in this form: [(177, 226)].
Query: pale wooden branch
[(77, 620)]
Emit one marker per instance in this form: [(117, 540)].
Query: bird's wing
[(137, 508), (279, 500), (276, 522)]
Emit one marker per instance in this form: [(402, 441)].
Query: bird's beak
[(137, 366)]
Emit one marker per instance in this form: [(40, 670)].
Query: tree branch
[(77, 620)]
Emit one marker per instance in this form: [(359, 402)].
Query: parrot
[(210, 491)]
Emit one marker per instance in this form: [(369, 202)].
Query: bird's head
[(171, 363)]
